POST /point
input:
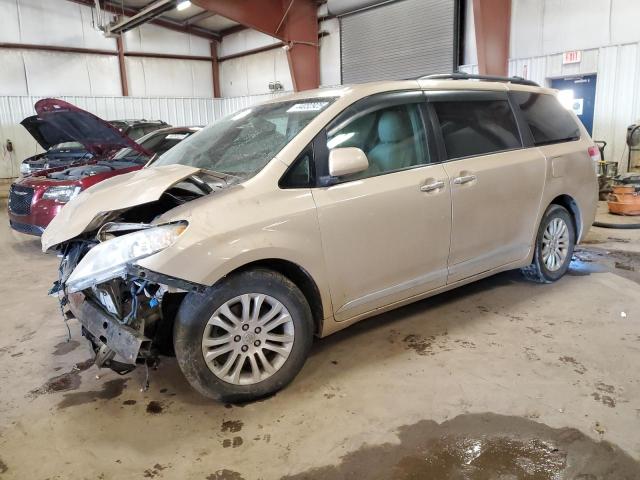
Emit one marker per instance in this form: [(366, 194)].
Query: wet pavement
[(501, 379), (483, 447)]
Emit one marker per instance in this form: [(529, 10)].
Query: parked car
[(62, 151), (35, 200), (136, 129), (305, 214)]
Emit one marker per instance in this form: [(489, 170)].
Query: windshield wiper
[(201, 184)]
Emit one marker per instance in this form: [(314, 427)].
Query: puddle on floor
[(588, 260), (483, 447)]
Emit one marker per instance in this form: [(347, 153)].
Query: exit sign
[(573, 56)]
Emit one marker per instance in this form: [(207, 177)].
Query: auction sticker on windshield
[(307, 107)]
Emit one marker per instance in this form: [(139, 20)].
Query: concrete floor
[(501, 379)]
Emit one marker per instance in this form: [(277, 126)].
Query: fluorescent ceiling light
[(184, 4)]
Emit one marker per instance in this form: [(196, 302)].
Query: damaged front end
[(127, 311)]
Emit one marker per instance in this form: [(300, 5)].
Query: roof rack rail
[(487, 78)]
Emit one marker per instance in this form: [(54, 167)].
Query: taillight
[(594, 153)]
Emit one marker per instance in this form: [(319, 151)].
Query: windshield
[(241, 144), (157, 143)]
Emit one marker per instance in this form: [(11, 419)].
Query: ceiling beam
[(95, 51), (294, 22), (145, 15), (200, 16), (116, 9)]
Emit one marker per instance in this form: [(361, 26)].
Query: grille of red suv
[(20, 199)]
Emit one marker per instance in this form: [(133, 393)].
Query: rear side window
[(477, 127), (548, 121)]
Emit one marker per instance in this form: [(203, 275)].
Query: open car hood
[(96, 135), (114, 194), (46, 134)]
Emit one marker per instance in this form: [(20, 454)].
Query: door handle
[(430, 187), (464, 179)]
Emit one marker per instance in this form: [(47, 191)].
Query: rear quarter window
[(548, 121), (477, 127)]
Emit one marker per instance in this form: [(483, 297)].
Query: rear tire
[(246, 338), (554, 246)]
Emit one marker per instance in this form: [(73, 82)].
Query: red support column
[(292, 21), (124, 83), (304, 52), (492, 20), (215, 69)]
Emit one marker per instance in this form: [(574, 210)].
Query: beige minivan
[(302, 215)]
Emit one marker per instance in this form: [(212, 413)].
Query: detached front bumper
[(132, 336), (104, 330)]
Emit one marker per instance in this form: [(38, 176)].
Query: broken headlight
[(109, 259)]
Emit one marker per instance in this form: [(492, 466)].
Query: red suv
[(36, 199)]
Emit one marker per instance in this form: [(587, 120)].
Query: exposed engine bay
[(127, 312), (82, 171)]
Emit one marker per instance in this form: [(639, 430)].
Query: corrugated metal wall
[(62, 23), (175, 111), (404, 39), (617, 89)]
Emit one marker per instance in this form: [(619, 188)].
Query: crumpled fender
[(118, 193)]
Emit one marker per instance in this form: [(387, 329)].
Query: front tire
[(554, 246), (246, 338)]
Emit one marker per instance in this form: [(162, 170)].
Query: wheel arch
[(300, 277), (568, 202)]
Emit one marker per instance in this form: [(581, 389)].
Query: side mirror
[(347, 160)]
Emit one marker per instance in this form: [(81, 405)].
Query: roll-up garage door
[(399, 40)]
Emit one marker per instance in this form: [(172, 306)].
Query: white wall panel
[(574, 25), (135, 76), (330, 53), (470, 53), (244, 40), (59, 23), (9, 21), (13, 79), (617, 94), (50, 23), (154, 39), (104, 75), (51, 73), (526, 28), (233, 77), (92, 37), (160, 77), (201, 78), (250, 75), (625, 18), (57, 73), (531, 68), (68, 24), (471, 69), (544, 27)]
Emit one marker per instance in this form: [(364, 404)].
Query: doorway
[(579, 95)]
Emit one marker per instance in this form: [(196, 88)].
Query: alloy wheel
[(555, 244), (248, 339)]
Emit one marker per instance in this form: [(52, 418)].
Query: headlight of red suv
[(61, 194)]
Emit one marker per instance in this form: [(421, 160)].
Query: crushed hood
[(96, 135), (116, 193), (46, 134)]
